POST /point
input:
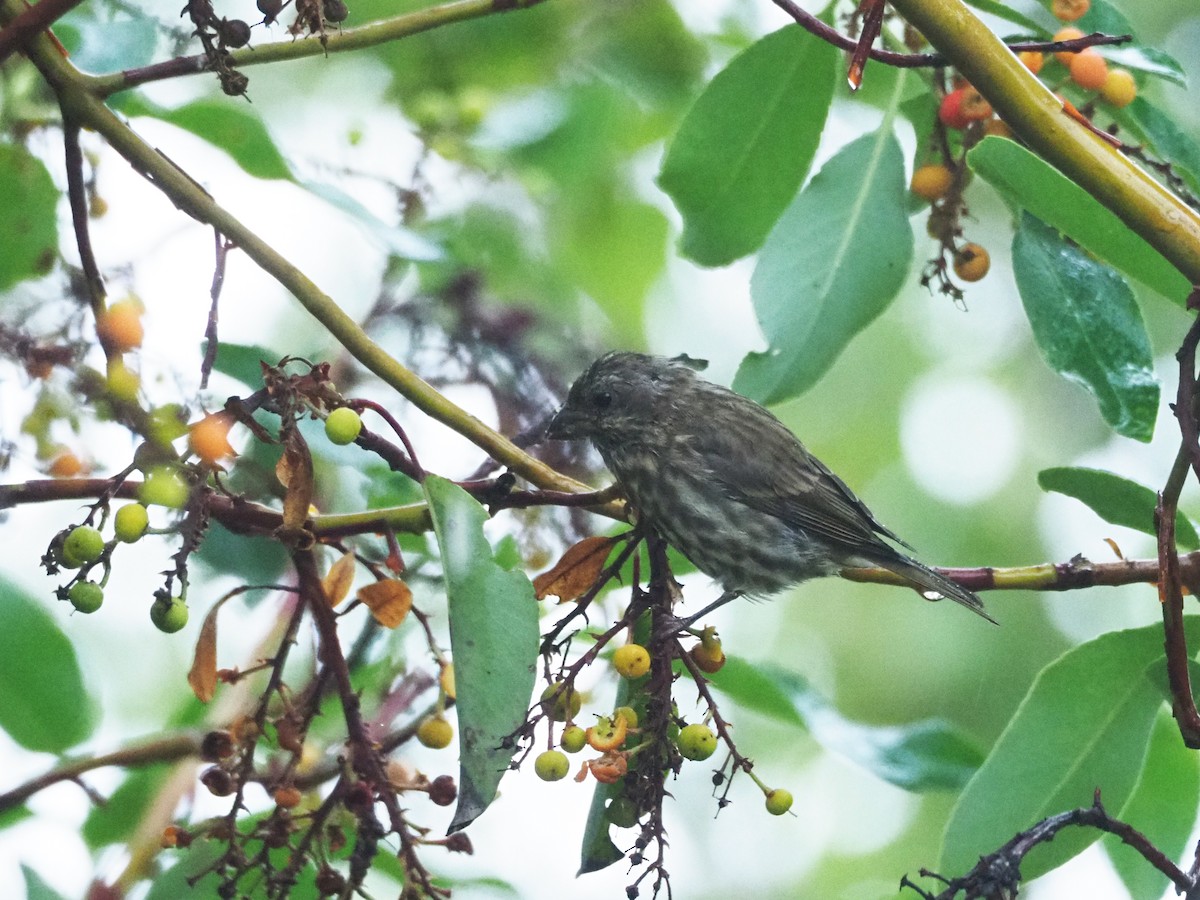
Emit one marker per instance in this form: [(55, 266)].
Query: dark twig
[(1170, 593), (221, 251), (34, 19), (872, 22), (77, 195), (998, 874), (813, 25)]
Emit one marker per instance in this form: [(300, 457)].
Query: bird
[(726, 483)]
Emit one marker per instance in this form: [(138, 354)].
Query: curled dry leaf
[(202, 677), (577, 571), (295, 472), (389, 601), (338, 579)]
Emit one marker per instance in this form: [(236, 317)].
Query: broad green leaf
[(744, 148), (36, 887), (494, 641), (1084, 725), (28, 222), (99, 43), (43, 703), (227, 124), (614, 248), (1087, 325), (1034, 186), (918, 756), (243, 361), (1008, 14), (833, 262), (1163, 808), (399, 241), (1150, 60), (1167, 139), (114, 821), (1115, 499)]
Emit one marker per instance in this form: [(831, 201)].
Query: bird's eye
[(602, 399)]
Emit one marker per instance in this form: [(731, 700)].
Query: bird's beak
[(564, 426)]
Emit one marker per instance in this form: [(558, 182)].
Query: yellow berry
[(629, 714), (631, 661), (573, 739), (84, 543), (931, 182), (343, 425), (779, 801), (551, 765), (435, 732), (1119, 88), (130, 522), (696, 742), (565, 704), (971, 262)]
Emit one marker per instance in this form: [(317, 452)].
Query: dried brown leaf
[(338, 579), (389, 601), (576, 571)]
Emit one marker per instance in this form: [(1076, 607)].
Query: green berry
[(551, 765), (169, 615), (629, 714), (574, 739), (631, 661), (622, 812), (696, 742), (779, 801), (565, 705), (343, 425), (164, 486), (435, 732), (86, 596), (130, 522), (84, 543)]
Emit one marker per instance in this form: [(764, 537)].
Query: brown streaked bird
[(726, 483)]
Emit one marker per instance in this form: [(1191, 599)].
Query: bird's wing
[(766, 467)]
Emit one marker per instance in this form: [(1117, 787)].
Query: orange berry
[(209, 438), (65, 465), (999, 128), (1119, 88), (1033, 60), (950, 112), (1089, 70), (931, 182), (1070, 10), (974, 107), (120, 326), (1066, 34), (287, 797), (971, 262)]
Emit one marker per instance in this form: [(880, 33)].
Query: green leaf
[(116, 820), (227, 124), (1087, 325), (101, 44), (243, 361), (494, 640), (36, 887), (918, 756), (834, 262), (1115, 499), (43, 703), (27, 217), (1085, 724), (1003, 11), (614, 248), (1150, 60), (744, 148), (399, 241), (1158, 129), (1163, 808), (1034, 186)]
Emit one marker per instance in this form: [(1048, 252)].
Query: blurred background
[(483, 196)]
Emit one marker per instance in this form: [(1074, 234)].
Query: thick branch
[(30, 21)]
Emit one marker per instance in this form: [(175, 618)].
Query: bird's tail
[(928, 581)]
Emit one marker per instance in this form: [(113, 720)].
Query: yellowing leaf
[(203, 675), (577, 571), (338, 579), (389, 601)]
